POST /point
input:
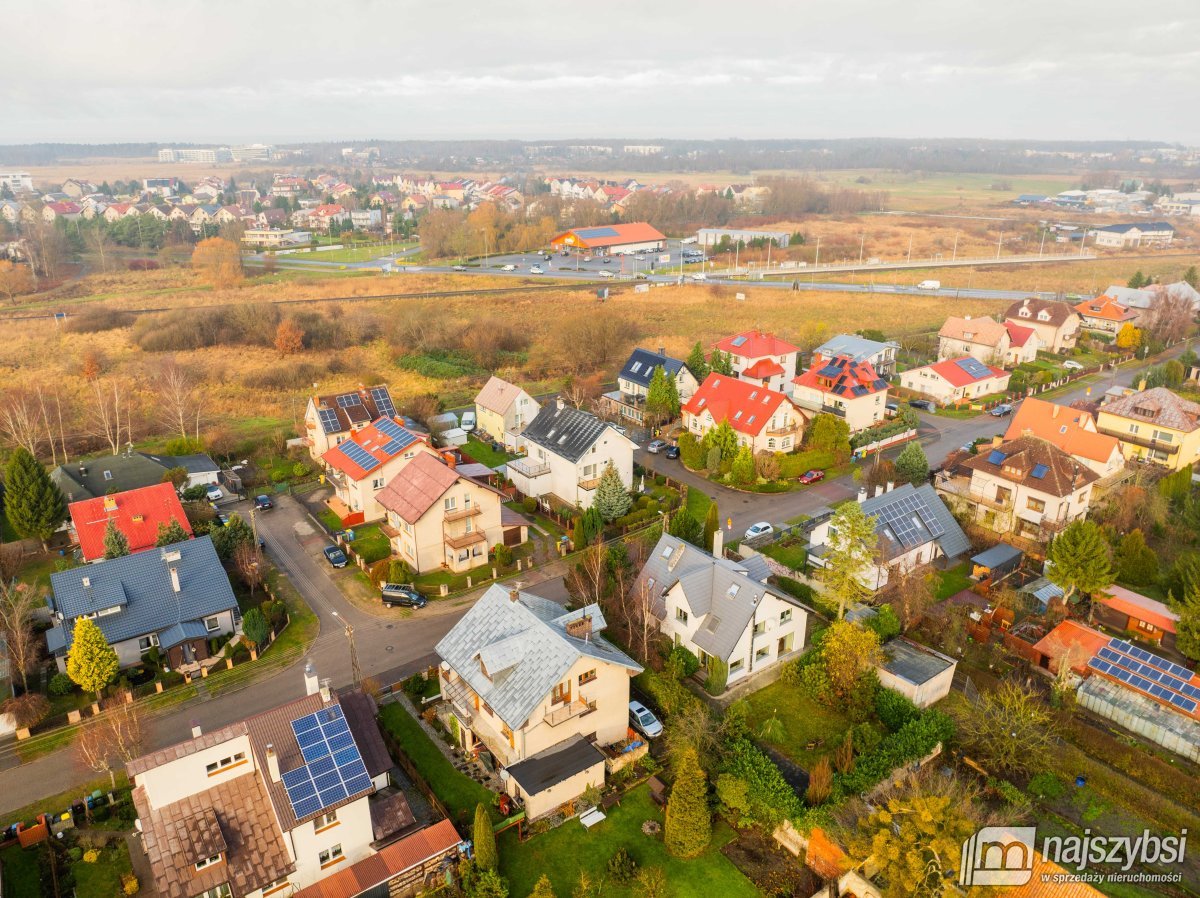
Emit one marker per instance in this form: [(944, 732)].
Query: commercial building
[(16, 180), (1146, 233), (612, 240), (273, 238), (710, 237)]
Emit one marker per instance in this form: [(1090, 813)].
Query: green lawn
[(955, 580), (371, 543), (103, 878), (697, 503), (793, 555), (804, 721), (331, 521), (21, 874), (484, 454), (303, 625), (458, 792), (565, 852), (349, 254), (429, 582)]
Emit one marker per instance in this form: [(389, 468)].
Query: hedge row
[(910, 743)]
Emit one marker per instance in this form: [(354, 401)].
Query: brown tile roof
[(1020, 457), (417, 487), (185, 748), (1059, 312), (497, 395), (405, 854), (1157, 406), (235, 814), (360, 711), (389, 815), (983, 331)]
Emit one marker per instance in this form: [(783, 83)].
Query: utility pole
[(862, 241), (355, 670), (999, 242), (1042, 245), (910, 239), (954, 254), (817, 259)]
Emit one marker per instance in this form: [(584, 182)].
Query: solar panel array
[(348, 399), (383, 401), (333, 768), (1147, 672), (359, 455), (588, 233), (899, 516), (399, 436), (329, 420), (975, 368), (739, 341)]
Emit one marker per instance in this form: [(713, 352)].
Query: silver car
[(642, 720)]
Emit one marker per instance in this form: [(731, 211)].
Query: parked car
[(672, 452), (536, 269), (892, 407), (262, 503), (760, 529), (1072, 365), (812, 476), (404, 595), (460, 267), (508, 267), (605, 261), (335, 556), (656, 446), (213, 493), (642, 720), (467, 422), (1001, 410), (923, 404)]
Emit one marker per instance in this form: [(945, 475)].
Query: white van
[(468, 421), (929, 285)]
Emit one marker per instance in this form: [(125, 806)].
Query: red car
[(812, 476)]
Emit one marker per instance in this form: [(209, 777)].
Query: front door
[(189, 656)]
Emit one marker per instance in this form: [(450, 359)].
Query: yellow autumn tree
[(218, 262), (1129, 337)]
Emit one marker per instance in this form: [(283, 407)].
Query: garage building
[(635, 237)]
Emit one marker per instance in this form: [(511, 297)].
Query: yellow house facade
[(1154, 425)]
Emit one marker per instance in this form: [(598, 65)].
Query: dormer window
[(1025, 313), (208, 862), (1043, 315)]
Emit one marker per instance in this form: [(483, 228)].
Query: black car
[(403, 595), (335, 556), (923, 404), (672, 452), (262, 503)]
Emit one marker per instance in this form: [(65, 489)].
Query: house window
[(377, 483), (208, 862), (771, 443), (736, 665), (410, 455), (681, 615), (212, 624), (272, 887), (562, 693), (1163, 436), (1148, 628), (450, 503), (330, 856), (476, 551), (218, 766), (146, 642), (507, 734), (785, 615), (760, 628), (1034, 504), (325, 821), (762, 653), (587, 676), (221, 891)]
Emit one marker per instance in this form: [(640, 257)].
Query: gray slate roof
[(193, 464), (645, 362), (952, 541), (858, 349), (708, 584), (525, 648), (119, 473), (141, 584), (555, 764), (1130, 296), (565, 431)]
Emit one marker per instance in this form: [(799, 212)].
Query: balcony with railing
[(785, 429), (461, 514), (589, 484), (460, 696), (527, 468), (1169, 448), (464, 540), (960, 487), (567, 711)]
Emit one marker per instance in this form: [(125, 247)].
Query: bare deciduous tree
[(1170, 316), (248, 565), (179, 401), (582, 391), (112, 739), (101, 244), (590, 575), (911, 594), (20, 420), (104, 419), (17, 604)]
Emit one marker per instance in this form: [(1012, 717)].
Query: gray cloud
[(218, 70)]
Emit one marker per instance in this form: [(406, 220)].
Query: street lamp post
[(355, 670)]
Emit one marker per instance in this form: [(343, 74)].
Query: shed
[(917, 672), (996, 563)]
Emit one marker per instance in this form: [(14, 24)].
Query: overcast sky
[(215, 71)]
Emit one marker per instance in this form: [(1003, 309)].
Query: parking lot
[(666, 262)]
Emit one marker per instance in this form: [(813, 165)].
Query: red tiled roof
[(745, 406), (1043, 883), (1062, 426), (1017, 335), (405, 854), (327, 210), (763, 368), (633, 232), (852, 380), (1083, 642), (756, 344), (958, 376), (136, 513), (372, 441), (1105, 307), (1139, 607), (414, 490)]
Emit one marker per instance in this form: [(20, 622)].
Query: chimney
[(718, 546), (662, 350), (174, 578), (997, 440), (878, 490), (580, 627), (310, 679), (272, 763), (196, 731), (561, 404), (862, 494), (891, 485), (87, 582), (82, 471), (110, 503), (514, 592), (324, 687), (451, 459), (966, 317)]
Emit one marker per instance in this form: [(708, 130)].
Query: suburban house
[(955, 380), (1026, 486), (721, 610), (980, 338), (1104, 314), (763, 419), (1140, 616), (762, 359), (566, 452), (1056, 323), (880, 356), (330, 419), (438, 518), (920, 674), (294, 801), (616, 239), (1154, 425), (1023, 344), (633, 383), (502, 408), (538, 688), (361, 465), (913, 525), (1070, 429), (175, 598), (98, 477), (1145, 233), (843, 387), (136, 514)]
